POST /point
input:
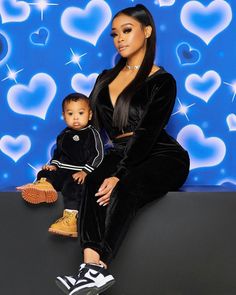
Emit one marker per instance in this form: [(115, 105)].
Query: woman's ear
[(90, 115), (148, 31)]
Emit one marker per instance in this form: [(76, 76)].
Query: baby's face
[(77, 114)]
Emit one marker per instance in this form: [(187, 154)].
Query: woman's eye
[(113, 35), (81, 113), (128, 30), (70, 114)]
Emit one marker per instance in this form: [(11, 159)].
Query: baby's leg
[(67, 225)]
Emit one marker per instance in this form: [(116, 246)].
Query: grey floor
[(183, 244)]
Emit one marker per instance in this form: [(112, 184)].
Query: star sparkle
[(42, 5), (233, 86), (35, 170), (12, 74), (183, 109), (75, 58)]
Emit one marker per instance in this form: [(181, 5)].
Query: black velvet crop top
[(150, 110)]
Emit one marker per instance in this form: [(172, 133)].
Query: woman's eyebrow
[(123, 26)]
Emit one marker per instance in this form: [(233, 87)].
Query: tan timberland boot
[(38, 192), (66, 225)]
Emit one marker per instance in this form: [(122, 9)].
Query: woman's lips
[(121, 48)]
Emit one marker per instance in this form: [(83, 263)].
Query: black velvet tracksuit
[(75, 151), (148, 164)]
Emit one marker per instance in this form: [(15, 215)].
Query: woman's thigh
[(153, 178)]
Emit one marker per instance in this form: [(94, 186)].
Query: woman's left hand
[(105, 190)]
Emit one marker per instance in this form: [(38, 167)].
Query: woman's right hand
[(105, 190)]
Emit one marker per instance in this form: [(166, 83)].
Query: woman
[(133, 103)]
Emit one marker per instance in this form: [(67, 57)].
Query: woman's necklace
[(132, 67)]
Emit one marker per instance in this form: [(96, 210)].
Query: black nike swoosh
[(94, 275)]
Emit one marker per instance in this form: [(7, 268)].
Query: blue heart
[(206, 21), (3, 47), (87, 24), (40, 37), (187, 55)]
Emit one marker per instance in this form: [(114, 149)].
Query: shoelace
[(60, 219), (81, 273), (41, 180), (67, 218)]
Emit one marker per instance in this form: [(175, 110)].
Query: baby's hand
[(49, 167), (79, 176)]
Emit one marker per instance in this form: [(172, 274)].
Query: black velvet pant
[(61, 180), (103, 228)]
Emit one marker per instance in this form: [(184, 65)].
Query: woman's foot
[(38, 192), (91, 280), (66, 225)]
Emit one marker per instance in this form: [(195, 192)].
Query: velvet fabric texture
[(63, 182), (103, 228), (79, 150), (76, 150), (148, 164)]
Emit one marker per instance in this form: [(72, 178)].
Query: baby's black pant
[(103, 228), (62, 181)]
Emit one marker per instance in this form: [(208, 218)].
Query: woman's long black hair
[(121, 111)]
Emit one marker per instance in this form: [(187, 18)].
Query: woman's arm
[(153, 121)]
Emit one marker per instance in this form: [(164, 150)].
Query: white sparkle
[(75, 58), (31, 166), (183, 109), (11, 74), (35, 169), (42, 5), (233, 85)]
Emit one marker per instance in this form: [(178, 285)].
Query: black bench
[(183, 244)]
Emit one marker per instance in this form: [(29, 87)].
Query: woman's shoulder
[(158, 72), (103, 72), (159, 77)]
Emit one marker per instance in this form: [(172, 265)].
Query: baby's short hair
[(74, 97)]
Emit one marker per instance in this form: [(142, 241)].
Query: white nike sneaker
[(66, 283), (91, 280)]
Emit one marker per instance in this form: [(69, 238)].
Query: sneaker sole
[(36, 196), (62, 233), (85, 291), (92, 290), (105, 287), (61, 286)]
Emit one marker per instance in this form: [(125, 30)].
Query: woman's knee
[(126, 189)]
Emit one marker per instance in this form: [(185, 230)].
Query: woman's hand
[(105, 190)]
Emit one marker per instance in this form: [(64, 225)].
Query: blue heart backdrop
[(51, 48)]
